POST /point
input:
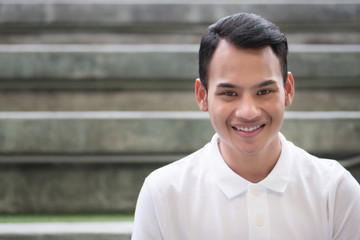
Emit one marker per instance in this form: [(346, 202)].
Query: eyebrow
[(267, 83), (226, 85), (262, 84)]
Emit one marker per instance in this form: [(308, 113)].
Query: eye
[(263, 92), (229, 93)]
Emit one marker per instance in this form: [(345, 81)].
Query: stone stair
[(157, 70), (77, 49), (66, 231), (94, 95), (165, 21), (114, 151)]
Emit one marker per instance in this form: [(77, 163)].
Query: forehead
[(244, 65)]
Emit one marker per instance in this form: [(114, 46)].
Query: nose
[(247, 108)]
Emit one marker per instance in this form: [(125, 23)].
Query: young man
[(249, 182)]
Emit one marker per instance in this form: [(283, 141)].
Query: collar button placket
[(258, 212)]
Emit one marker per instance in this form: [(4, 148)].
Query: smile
[(248, 129)]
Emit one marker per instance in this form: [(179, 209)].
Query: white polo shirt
[(201, 198)]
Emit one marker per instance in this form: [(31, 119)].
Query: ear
[(289, 89), (201, 95)]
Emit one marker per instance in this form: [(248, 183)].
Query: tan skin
[(246, 100)]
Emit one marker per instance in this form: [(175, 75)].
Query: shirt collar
[(233, 184)]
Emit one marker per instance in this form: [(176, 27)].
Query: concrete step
[(116, 100), (158, 132), (155, 67), (74, 183), (96, 21), (91, 162), (66, 231), (82, 184)]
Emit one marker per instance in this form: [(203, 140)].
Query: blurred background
[(94, 95)]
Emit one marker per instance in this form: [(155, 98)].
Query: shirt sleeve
[(347, 209), (146, 222)]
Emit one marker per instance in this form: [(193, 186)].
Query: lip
[(248, 130)]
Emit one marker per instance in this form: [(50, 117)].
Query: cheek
[(219, 111), (275, 107), (221, 108), (277, 112)]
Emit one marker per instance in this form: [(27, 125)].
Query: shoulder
[(334, 187), (316, 164), (178, 173), (323, 171), (321, 178)]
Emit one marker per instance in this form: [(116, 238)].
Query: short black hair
[(243, 30)]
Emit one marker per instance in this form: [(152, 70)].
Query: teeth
[(245, 129)]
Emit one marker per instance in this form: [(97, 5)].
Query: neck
[(253, 167)]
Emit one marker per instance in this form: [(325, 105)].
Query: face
[(246, 99)]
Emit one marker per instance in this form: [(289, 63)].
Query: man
[(249, 182)]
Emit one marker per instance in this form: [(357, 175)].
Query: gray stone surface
[(65, 237), (164, 21), (99, 101), (81, 37), (71, 187), (306, 99), (325, 99), (325, 132), (142, 56), (101, 132), (122, 67), (88, 186), (66, 231), (154, 67), (115, 14), (158, 132), (161, 22), (80, 162)]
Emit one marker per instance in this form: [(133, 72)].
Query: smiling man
[(249, 182), (246, 97)]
